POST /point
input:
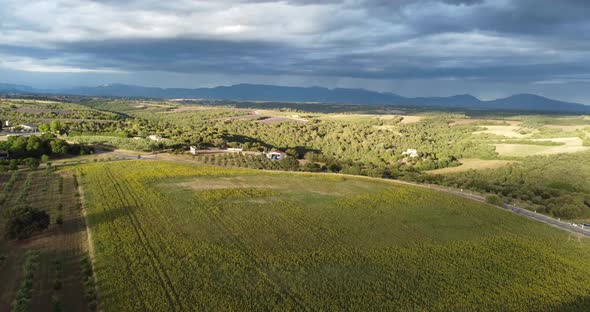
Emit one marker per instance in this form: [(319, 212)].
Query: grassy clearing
[(507, 131), (570, 145), (473, 164), (171, 237), (412, 119)]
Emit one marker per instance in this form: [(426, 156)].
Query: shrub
[(32, 163), (24, 221), (60, 219), (13, 164), (494, 199)]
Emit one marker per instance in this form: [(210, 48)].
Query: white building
[(276, 155), (411, 152), (29, 127), (154, 137), (193, 150)]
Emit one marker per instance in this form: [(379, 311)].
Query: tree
[(310, 157), (23, 222), (59, 147), (13, 164), (494, 199), (289, 163), (32, 163), (34, 144), (44, 128), (44, 158), (55, 126), (292, 152)]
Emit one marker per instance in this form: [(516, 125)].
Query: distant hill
[(254, 92), (14, 88)]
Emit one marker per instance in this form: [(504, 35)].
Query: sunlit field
[(171, 236)]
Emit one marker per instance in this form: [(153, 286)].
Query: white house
[(411, 152), (154, 137), (276, 155), (29, 127), (193, 150)]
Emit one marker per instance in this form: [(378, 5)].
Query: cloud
[(28, 64), (487, 40)]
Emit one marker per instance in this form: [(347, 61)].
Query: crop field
[(57, 278), (507, 131), (179, 237), (570, 145), (473, 164)]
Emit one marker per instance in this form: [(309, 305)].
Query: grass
[(506, 131), (173, 236), (473, 164), (570, 145)]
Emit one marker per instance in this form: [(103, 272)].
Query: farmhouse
[(276, 155), (29, 127), (411, 152), (193, 150)]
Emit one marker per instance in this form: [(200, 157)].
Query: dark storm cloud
[(487, 40), (185, 56)]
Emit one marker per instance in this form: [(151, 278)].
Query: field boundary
[(557, 223), (90, 243)]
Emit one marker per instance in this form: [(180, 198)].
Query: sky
[(488, 48)]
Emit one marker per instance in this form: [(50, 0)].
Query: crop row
[(259, 249), (240, 160)]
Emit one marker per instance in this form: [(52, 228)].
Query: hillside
[(253, 92), (171, 236), (523, 102)]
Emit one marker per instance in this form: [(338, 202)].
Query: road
[(519, 211)]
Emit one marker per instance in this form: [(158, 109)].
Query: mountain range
[(255, 92)]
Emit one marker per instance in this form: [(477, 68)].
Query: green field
[(179, 237)]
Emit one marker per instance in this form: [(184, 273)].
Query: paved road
[(519, 211)]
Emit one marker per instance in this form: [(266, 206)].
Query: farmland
[(172, 236), (570, 145), (473, 164), (43, 271)]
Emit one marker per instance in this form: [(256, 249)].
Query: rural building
[(276, 155), (193, 150), (4, 155), (29, 127), (411, 152), (154, 137)]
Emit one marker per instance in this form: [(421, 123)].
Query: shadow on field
[(581, 303), (78, 224), (107, 216)]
